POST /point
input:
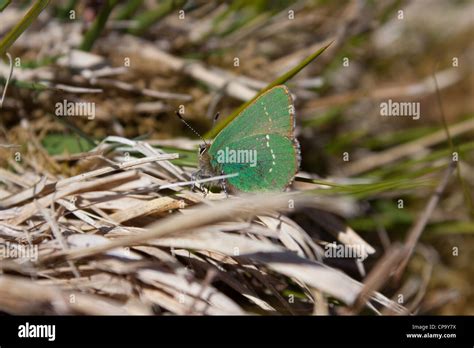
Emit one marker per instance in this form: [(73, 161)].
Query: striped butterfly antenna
[(189, 126)]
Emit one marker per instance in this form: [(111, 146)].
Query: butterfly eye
[(202, 149)]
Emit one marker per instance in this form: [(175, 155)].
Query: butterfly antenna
[(189, 126)]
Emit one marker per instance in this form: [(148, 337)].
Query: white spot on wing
[(266, 112), (271, 151)]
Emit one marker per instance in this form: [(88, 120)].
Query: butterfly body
[(259, 145)]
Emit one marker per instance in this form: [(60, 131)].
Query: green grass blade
[(4, 4), (280, 80), (452, 227), (365, 190), (147, 19), (35, 86), (21, 26), (465, 188), (79, 132), (63, 12), (98, 26), (129, 9)]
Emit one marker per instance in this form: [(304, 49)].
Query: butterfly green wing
[(274, 166), (271, 113), (266, 126)]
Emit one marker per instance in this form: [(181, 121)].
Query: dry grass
[(94, 243)]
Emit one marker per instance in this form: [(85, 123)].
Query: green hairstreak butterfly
[(258, 146)]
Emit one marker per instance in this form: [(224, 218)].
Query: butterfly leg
[(203, 187), (193, 178), (196, 176), (224, 186)]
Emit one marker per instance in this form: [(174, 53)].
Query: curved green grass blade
[(367, 189), (279, 81)]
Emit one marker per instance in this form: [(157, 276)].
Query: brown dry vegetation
[(115, 236)]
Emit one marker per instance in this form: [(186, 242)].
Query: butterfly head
[(203, 149), (204, 156)]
